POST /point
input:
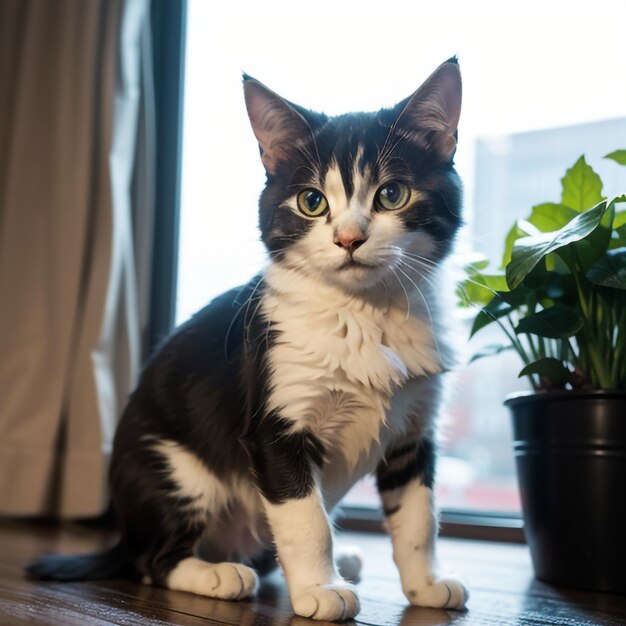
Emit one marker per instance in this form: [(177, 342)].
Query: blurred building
[(515, 172)]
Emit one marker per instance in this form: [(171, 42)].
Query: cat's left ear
[(278, 125), (431, 114)]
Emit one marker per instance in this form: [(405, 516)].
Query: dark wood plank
[(503, 590)]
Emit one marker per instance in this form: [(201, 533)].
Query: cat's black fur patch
[(402, 451), (283, 462), (419, 463)]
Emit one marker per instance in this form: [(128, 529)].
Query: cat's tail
[(113, 562)]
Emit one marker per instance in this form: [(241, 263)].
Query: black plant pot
[(570, 450)]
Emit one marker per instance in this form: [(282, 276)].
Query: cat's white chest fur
[(339, 359)]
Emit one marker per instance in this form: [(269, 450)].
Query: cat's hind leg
[(175, 566), (173, 563), (227, 581), (165, 514)]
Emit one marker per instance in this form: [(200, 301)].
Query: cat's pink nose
[(350, 241)]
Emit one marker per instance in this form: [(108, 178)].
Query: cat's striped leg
[(405, 482)]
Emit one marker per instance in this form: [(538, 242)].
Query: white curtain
[(72, 92)]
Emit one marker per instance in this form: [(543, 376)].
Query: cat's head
[(363, 198)]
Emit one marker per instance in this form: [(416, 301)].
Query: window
[(542, 84)]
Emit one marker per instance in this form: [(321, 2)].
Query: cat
[(256, 416)]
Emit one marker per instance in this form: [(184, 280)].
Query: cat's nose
[(350, 242)]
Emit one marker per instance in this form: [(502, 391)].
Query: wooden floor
[(503, 591)]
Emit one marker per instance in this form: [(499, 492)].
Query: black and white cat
[(255, 417)]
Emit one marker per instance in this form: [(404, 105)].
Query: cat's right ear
[(277, 124)]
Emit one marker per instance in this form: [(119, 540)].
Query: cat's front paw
[(445, 593), (335, 602)]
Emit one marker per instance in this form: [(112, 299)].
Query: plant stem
[(619, 354), (519, 348), (532, 347), (597, 371)]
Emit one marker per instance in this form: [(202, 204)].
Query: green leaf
[(527, 252), (496, 282), (518, 297), (549, 216), (620, 219), (549, 368), (610, 270), (588, 250), (490, 350), (557, 322), (520, 229), (553, 284), (494, 310), (618, 238), (479, 289), (473, 292), (554, 263), (476, 266), (582, 187), (619, 156)]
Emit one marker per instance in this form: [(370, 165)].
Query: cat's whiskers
[(399, 255), (247, 323), (420, 274), (304, 148), (425, 270), (315, 159), (384, 149), (421, 259), (422, 269), (385, 153), (314, 176), (239, 310), (428, 312), (417, 262), (281, 237), (415, 256), (396, 157), (406, 295), (445, 203)]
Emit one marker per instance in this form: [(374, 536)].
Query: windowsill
[(453, 524)]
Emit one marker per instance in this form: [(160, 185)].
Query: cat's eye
[(312, 203), (393, 196)]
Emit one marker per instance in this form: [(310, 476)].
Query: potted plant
[(560, 300)]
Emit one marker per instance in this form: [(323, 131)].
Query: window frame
[(169, 34)]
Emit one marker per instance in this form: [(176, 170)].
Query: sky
[(525, 66)]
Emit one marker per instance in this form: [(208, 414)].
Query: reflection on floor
[(503, 591)]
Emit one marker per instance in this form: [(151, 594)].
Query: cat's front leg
[(405, 482), (303, 537), (287, 464)]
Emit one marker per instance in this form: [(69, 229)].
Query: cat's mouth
[(352, 263)]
